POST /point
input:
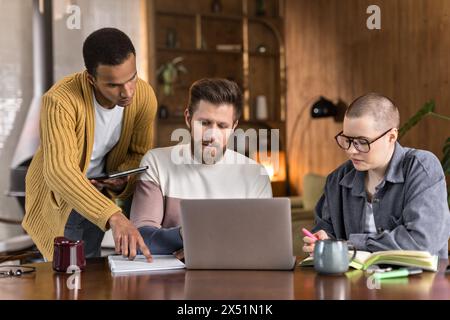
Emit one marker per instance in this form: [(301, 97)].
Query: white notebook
[(120, 264)]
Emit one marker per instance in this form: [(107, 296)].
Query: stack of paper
[(120, 264)]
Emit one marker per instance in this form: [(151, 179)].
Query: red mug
[(68, 253)]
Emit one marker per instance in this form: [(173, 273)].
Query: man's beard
[(207, 154)]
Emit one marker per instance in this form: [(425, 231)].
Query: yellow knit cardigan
[(56, 180)]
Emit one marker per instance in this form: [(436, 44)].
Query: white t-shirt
[(170, 178), (108, 126), (370, 226), (234, 176)]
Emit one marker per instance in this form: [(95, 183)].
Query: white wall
[(95, 14), (16, 90)]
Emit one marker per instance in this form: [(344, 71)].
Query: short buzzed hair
[(379, 107), (107, 46)]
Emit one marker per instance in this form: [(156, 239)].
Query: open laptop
[(237, 234)]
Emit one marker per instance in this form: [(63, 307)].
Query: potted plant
[(168, 74), (428, 110)]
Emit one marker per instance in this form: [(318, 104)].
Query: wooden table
[(303, 283)]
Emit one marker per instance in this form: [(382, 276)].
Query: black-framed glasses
[(15, 270), (360, 144)]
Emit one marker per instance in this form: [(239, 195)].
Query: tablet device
[(119, 174)]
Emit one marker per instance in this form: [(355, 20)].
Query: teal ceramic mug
[(332, 256)]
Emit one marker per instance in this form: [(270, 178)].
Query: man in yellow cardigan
[(92, 122)]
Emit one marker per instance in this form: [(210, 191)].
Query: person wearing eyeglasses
[(386, 196)]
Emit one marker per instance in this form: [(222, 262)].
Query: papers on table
[(121, 265)]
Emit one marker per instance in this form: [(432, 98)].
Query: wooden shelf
[(175, 14), (201, 15), (198, 51), (251, 123), (268, 124), (257, 73), (263, 55), (214, 51), (269, 20), (171, 121), (251, 18), (222, 16)]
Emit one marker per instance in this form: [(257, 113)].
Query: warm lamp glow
[(274, 163), (269, 169)]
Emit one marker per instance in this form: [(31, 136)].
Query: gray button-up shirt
[(410, 205)]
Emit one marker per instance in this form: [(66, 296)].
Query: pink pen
[(309, 234)]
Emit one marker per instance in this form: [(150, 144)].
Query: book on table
[(122, 265), (404, 258)]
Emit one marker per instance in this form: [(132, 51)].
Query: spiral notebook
[(121, 265)]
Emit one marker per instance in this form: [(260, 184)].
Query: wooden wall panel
[(330, 52)]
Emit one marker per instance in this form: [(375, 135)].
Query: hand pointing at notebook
[(309, 241), (127, 238)]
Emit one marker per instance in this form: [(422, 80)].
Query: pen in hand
[(309, 234)]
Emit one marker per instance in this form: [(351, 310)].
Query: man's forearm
[(161, 240)]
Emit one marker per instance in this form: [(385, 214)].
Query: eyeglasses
[(360, 144), (15, 271)]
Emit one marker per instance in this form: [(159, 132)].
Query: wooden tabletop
[(97, 282)]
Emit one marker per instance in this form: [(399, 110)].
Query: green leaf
[(446, 146), (446, 164), (446, 159), (428, 109), (424, 111)]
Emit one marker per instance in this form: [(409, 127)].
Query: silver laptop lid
[(237, 234)]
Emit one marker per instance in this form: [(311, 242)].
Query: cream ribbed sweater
[(56, 180)]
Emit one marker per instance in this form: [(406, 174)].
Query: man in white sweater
[(202, 169)]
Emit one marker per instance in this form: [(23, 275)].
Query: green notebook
[(406, 258)]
